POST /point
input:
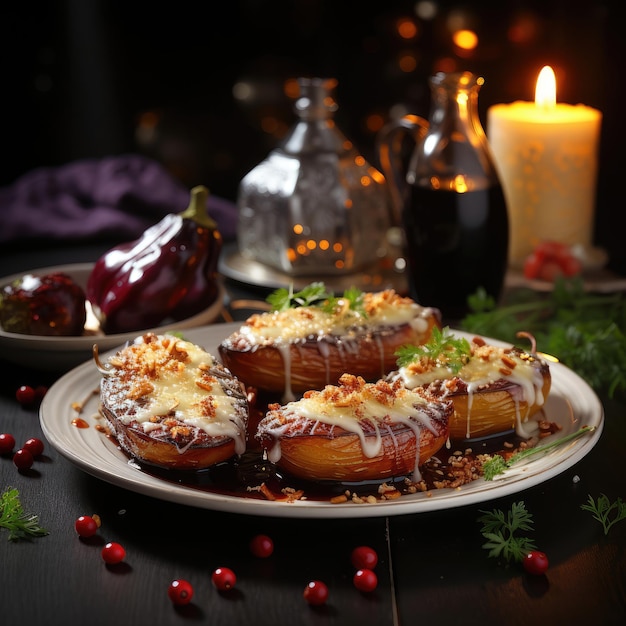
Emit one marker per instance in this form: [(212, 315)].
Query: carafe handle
[(395, 143)]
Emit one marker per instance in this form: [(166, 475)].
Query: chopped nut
[(391, 495), (266, 492), (508, 362)]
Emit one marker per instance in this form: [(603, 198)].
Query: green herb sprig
[(605, 511), (500, 528), (283, 299), (585, 331), (497, 464), (353, 296), (315, 294), (449, 350), (20, 525)]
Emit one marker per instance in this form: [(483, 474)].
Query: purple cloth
[(114, 196)]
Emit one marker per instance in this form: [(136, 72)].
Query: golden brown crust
[(341, 458), (317, 362)]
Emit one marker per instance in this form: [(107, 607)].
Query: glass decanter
[(314, 206)]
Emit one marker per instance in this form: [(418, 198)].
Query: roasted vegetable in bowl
[(49, 305)]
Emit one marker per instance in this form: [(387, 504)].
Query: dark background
[(90, 78)]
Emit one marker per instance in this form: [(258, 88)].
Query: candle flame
[(545, 92)]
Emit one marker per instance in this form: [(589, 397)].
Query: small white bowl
[(60, 354)]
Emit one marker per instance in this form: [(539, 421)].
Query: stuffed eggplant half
[(170, 404), (298, 348), (355, 431), (494, 389)]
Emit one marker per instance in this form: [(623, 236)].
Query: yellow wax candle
[(546, 155)]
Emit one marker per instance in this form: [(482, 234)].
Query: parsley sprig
[(585, 331), (497, 464), (500, 529), (20, 525), (444, 348), (283, 299), (353, 297), (605, 511), (315, 294)]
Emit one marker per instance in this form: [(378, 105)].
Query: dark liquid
[(456, 243), (239, 477)]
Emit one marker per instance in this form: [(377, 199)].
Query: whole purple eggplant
[(170, 271)]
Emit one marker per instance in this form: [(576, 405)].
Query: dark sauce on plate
[(241, 477)]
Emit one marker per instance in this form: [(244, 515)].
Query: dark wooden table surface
[(432, 568)]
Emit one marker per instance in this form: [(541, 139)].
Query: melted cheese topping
[(163, 376), (368, 410), (381, 309), (486, 365)]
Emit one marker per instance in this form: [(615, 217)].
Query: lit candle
[(546, 155)]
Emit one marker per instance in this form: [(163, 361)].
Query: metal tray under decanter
[(383, 274)]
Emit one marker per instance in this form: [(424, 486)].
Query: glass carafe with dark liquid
[(449, 201)]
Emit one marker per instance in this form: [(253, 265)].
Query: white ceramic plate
[(571, 403), (59, 354)]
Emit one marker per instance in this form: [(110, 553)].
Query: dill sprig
[(20, 525), (605, 511), (585, 331), (497, 464), (444, 348), (500, 529)]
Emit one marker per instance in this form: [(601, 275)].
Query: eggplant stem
[(197, 209)]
